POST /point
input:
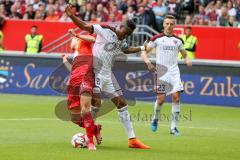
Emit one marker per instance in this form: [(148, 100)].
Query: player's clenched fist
[(151, 67), (188, 62), (68, 10)]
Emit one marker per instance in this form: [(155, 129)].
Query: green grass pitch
[(30, 131)]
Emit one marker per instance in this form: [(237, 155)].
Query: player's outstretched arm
[(132, 50), (87, 38), (185, 56), (81, 24)]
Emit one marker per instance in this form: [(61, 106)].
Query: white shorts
[(108, 85), (169, 83)]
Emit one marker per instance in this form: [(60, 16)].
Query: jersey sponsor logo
[(111, 46), (169, 47)]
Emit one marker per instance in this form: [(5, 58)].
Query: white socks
[(157, 109), (124, 117), (175, 114)]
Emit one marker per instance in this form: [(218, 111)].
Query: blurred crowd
[(149, 12)]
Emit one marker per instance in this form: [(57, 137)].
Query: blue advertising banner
[(25, 75), (44, 75)]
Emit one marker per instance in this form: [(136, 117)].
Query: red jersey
[(84, 47), (82, 76)]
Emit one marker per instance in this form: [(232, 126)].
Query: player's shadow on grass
[(107, 106), (62, 112)]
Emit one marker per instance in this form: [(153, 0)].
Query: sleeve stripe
[(156, 37), (107, 27), (179, 38)]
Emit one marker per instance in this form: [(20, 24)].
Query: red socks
[(89, 126), (87, 122)]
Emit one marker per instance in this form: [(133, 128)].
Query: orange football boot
[(136, 143)]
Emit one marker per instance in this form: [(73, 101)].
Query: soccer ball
[(79, 140)]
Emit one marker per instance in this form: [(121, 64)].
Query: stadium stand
[(149, 12)]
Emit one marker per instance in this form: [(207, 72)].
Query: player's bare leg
[(175, 113), (157, 109), (85, 100), (96, 103), (124, 116)]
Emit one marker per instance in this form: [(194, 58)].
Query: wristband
[(142, 48)]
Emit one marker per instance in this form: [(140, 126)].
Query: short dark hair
[(131, 24), (169, 17), (188, 27)]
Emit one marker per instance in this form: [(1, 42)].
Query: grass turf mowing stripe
[(112, 122)]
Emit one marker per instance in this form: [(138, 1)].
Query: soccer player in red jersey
[(111, 42), (80, 88)]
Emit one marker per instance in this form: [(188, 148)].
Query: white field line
[(116, 122)]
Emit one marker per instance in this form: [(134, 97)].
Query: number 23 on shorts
[(161, 88)]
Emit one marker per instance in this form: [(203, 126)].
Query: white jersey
[(167, 50), (106, 48)]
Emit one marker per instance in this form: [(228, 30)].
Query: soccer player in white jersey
[(109, 43), (168, 80)]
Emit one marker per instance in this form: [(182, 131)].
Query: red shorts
[(81, 81)]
